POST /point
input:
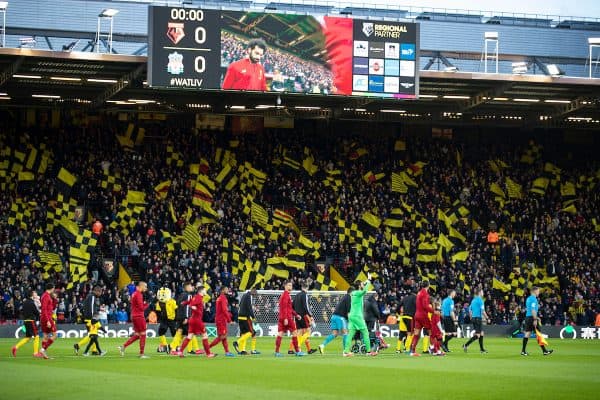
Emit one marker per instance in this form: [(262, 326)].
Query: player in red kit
[(195, 323), (436, 335), (287, 322), (138, 306), (248, 73), (222, 318), (421, 320), (48, 304)]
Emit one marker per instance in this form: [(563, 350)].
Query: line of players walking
[(352, 316)]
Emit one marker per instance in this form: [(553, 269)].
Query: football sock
[(413, 343), (481, 343), (47, 343), (176, 340), (365, 339), (206, 346), (226, 345), (215, 342), (130, 340), (344, 340), (524, 344), (470, 341), (425, 343), (277, 344), (408, 341), (328, 339), (194, 344), (253, 343), (36, 344), (295, 342), (84, 341), (22, 342), (162, 340), (307, 344), (184, 344), (243, 340), (142, 343)]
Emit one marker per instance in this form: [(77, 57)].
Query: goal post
[(322, 304)]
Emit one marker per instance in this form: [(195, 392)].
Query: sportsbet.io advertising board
[(252, 51), (73, 331)]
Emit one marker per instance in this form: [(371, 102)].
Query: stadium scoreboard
[(192, 48)]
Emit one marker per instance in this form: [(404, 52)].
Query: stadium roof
[(42, 78)]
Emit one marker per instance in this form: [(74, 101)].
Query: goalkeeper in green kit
[(356, 319)]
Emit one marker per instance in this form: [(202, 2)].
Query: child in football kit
[(94, 327)]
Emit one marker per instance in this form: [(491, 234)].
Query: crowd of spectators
[(287, 72), (535, 230)]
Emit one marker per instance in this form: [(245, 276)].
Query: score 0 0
[(183, 14)]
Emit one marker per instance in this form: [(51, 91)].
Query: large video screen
[(252, 51)]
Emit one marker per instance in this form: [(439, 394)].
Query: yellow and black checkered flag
[(324, 283), (78, 266), (129, 211), (111, 182), (170, 242), (20, 213), (63, 207), (174, 158), (254, 238)]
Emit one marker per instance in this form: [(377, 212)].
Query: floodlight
[(3, 5), (108, 13), (490, 35), (554, 70), (595, 40), (519, 67)]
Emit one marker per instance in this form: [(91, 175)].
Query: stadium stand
[(433, 207)]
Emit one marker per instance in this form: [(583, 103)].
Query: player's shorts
[(405, 323), (139, 324), (477, 325), (246, 326), (528, 325), (338, 323), (196, 326), (30, 328), (291, 326), (357, 323), (44, 326), (221, 328), (167, 326), (422, 323), (448, 324), (304, 322)]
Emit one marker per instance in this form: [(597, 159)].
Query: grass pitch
[(572, 372)]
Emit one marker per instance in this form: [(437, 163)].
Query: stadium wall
[(73, 331)]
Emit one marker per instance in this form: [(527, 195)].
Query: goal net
[(322, 305)]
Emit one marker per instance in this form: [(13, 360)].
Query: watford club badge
[(175, 32)]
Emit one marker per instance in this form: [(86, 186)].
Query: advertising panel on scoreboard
[(253, 51)]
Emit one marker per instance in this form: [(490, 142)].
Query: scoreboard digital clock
[(184, 49)]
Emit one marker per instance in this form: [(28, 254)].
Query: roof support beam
[(121, 84), (486, 95), (573, 106), (10, 70)]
